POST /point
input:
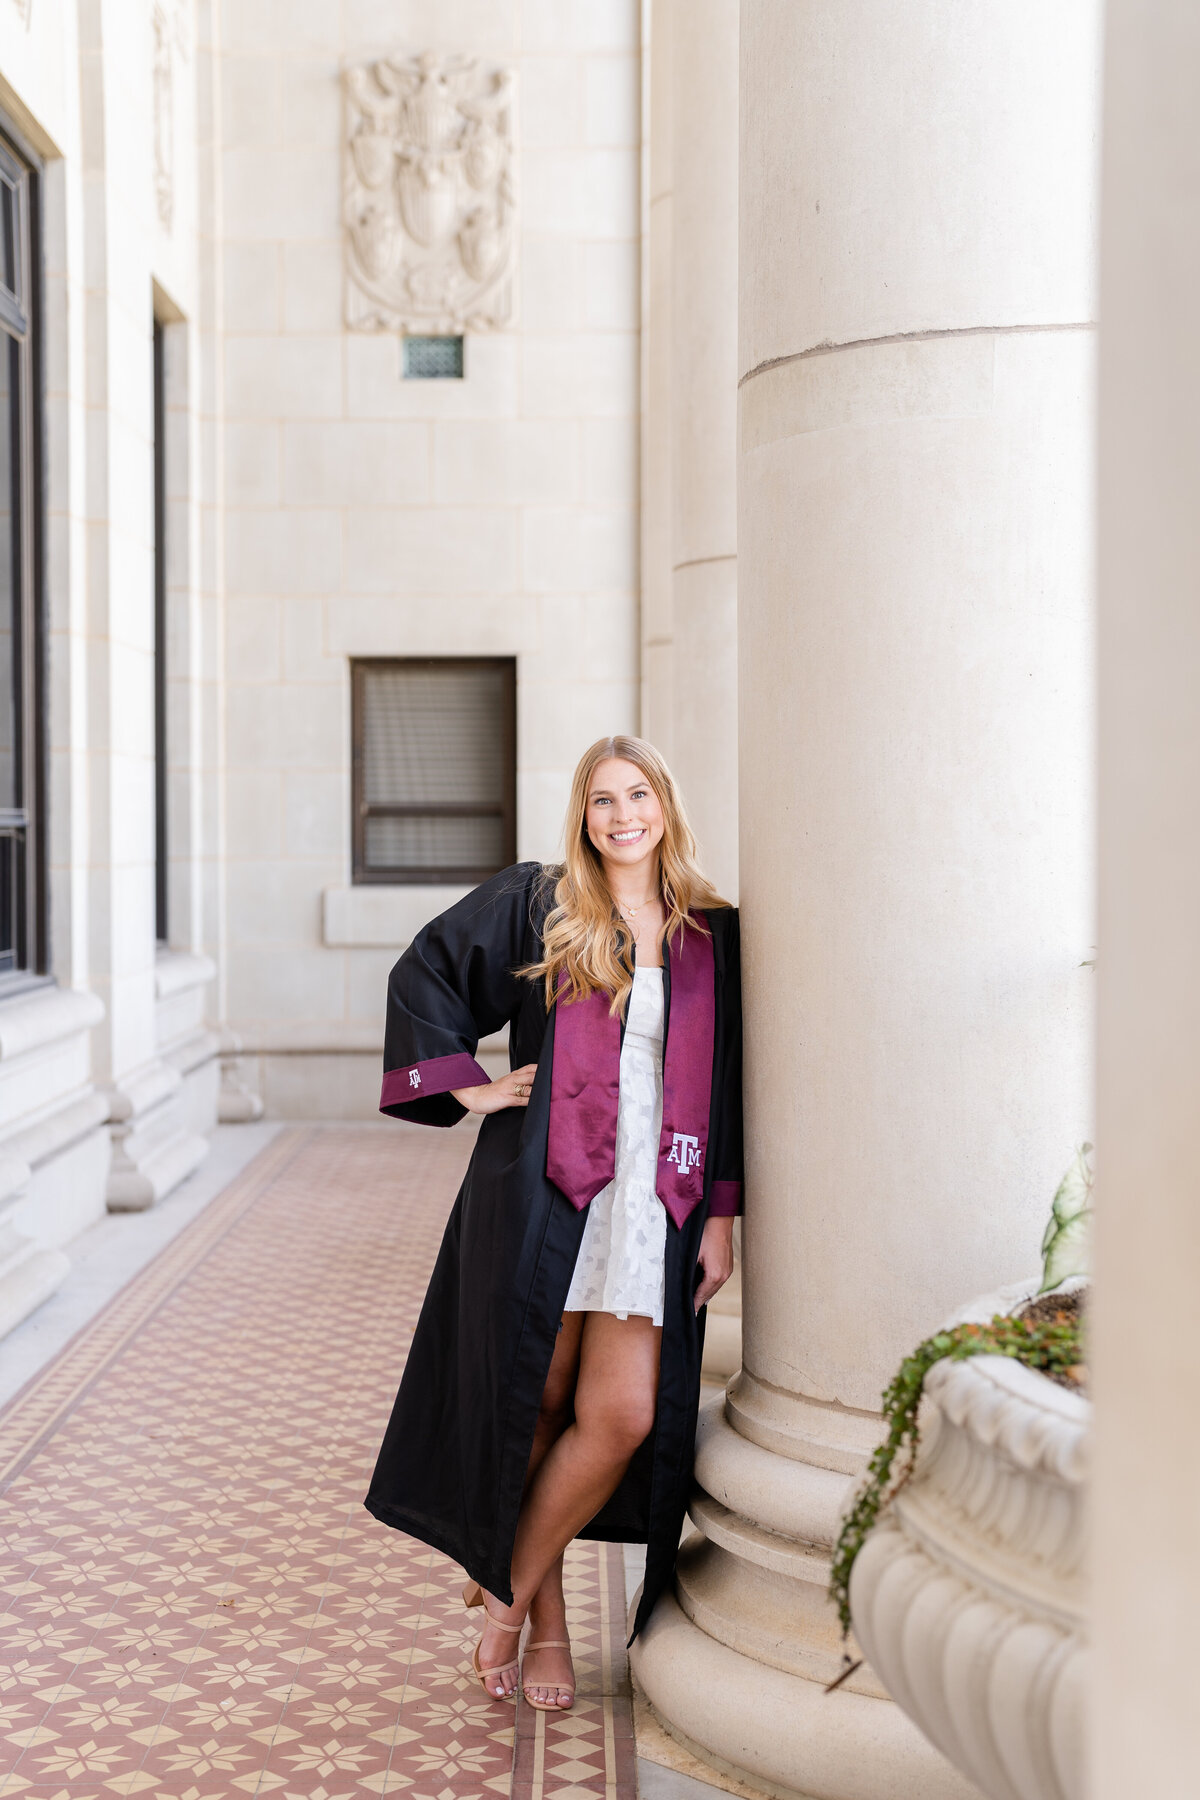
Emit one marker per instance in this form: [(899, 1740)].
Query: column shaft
[(1147, 1467), (689, 552), (914, 526), (704, 419)]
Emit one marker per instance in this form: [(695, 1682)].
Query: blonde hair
[(585, 939)]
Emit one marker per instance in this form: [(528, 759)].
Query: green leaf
[(1066, 1245), (1041, 1345), (1069, 1252)]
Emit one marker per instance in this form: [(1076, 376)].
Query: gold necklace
[(631, 912)]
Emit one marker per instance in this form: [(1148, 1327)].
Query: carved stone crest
[(428, 195)]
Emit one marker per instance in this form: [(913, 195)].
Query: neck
[(635, 883)]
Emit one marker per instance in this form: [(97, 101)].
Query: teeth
[(625, 837)]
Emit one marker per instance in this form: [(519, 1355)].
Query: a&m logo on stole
[(414, 1078), (684, 1152)]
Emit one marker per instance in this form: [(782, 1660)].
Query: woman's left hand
[(715, 1258)]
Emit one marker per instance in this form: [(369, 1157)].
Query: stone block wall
[(318, 508), (366, 515)]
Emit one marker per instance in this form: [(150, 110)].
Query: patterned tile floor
[(195, 1603)]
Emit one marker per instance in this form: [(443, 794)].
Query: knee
[(623, 1420)]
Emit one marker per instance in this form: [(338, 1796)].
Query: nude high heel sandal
[(473, 1596), (564, 1687)]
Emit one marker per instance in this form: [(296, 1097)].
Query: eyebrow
[(607, 793)]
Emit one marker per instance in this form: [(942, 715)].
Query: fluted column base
[(780, 1731), (735, 1663)]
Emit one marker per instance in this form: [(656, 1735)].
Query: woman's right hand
[(494, 1096)]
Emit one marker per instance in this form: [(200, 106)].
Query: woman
[(553, 1380)]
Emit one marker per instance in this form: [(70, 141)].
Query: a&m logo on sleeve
[(414, 1078)]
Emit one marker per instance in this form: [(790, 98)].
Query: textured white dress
[(620, 1264)]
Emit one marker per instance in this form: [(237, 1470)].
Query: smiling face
[(623, 818)]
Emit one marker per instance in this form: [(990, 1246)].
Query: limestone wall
[(366, 515)]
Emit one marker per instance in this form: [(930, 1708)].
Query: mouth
[(627, 837)]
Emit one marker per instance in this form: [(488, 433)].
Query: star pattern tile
[(194, 1604)]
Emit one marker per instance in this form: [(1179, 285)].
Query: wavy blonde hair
[(584, 938)]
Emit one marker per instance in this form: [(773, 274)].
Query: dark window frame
[(161, 770), (24, 825), (362, 810)]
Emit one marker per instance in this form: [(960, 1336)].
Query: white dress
[(620, 1264)]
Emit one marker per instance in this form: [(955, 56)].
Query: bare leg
[(554, 1415), (549, 1675), (615, 1398), (548, 1608)]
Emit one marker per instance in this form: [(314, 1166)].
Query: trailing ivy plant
[(1054, 1345)]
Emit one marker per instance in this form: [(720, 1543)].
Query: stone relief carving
[(428, 196)]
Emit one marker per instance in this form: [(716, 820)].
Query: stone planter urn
[(968, 1597)]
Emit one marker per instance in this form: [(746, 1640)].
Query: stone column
[(704, 418), (153, 1149), (1147, 1363), (689, 474), (657, 505), (916, 292)]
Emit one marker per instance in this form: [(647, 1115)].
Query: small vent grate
[(433, 359)]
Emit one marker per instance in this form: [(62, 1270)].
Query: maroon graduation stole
[(585, 1082)]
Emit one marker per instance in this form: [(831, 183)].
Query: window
[(160, 635), (433, 359), (22, 908), (434, 759)]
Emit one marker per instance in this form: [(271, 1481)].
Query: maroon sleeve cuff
[(725, 1201), (437, 1076)]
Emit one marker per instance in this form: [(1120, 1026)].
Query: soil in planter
[(1060, 1309)]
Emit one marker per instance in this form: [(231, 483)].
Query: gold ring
[(520, 1090)]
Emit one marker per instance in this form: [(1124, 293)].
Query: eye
[(638, 794)]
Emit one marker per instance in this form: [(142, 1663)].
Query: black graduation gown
[(451, 1470)]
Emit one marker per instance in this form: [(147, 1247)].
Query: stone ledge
[(192, 1051), (14, 1173), (178, 971), (71, 1120), (46, 1016), (382, 918), (142, 1089)]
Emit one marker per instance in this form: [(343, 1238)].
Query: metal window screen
[(433, 359), (434, 767)]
